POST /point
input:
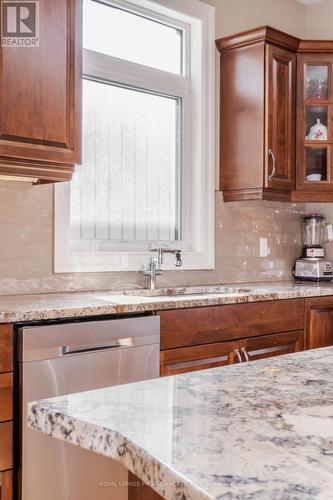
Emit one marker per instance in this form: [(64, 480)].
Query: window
[(147, 174)]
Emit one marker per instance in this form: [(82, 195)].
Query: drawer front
[(269, 346), (6, 348), (6, 446), (6, 485), (6, 396), (188, 359), (195, 326)]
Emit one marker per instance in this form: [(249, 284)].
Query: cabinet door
[(6, 485), (188, 359), (272, 345), (6, 446), (314, 124), (40, 96), (280, 119), (319, 322), (6, 348)]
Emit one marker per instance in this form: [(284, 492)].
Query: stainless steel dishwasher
[(72, 357)]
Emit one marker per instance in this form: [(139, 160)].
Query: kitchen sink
[(192, 290)]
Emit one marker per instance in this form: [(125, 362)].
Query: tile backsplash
[(255, 241)]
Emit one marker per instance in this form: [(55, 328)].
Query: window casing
[(190, 223)]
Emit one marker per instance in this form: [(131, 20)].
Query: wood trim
[(312, 197), (6, 485), (6, 348), (6, 445), (315, 46), (43, 171), (256, 194), (6, 396), (263, 34)]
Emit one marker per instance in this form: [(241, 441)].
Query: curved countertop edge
[(24, 308), (157, 475), (293, 443)]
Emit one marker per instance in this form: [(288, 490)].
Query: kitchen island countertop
[(260, 430), (23, 308)]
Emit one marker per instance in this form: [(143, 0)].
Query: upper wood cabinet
[(274, 89), (40, 97), (314, 165), (258, 103)]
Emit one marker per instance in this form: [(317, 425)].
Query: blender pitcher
[(316, 232)]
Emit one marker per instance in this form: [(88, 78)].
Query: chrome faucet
[(154, 266)]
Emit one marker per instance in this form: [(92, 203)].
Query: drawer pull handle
[(246, 356), (272, 174), (239, 357)]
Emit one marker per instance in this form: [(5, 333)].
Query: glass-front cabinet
[(315, 119)]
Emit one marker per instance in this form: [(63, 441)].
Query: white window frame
[(198, 148)]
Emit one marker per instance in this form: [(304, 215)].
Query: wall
[(26, 212), (319, 20)]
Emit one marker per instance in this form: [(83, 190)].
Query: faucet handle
[(179, 261)]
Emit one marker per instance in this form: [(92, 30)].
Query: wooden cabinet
[(319, 322), (40, 110), (183, 360), (6, 485), (208, 337), (258, 104), (274, 89), (315, 106)]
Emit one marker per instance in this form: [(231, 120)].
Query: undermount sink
[(193, 290)]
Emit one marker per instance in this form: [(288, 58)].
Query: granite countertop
[(261, 430), (82, 304)]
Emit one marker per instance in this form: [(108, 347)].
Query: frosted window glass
[(127, 188), (121, 34)]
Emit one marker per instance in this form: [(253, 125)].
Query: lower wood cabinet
[(319, 322), (6, 485), (6, 446), (187, 359)]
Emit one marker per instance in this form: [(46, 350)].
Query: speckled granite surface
[(80, 304), (261, 430)]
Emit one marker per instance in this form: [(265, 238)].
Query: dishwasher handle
[(65, 349)]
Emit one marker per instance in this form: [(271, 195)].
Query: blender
[(312, 265)]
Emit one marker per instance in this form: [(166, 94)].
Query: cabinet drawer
[(269, 346), (6, 348), (6, 446), (188, 359), (6, 396), (195, 326), (6, 485)]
